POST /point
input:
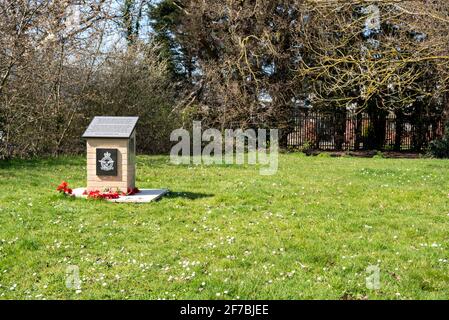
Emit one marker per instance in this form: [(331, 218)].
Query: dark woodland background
[(248, 63)]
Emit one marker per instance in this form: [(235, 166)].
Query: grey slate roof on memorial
[(111, 127)]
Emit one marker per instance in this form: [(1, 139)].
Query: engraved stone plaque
[(111, 127)]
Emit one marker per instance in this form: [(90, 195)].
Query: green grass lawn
[(308, 232)]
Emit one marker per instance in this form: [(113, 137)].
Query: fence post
[(340, 129), (358, 130), (399, 129)]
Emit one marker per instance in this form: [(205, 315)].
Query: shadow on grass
[(187, 195)]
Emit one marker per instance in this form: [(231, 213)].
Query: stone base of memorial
[(144, 195)]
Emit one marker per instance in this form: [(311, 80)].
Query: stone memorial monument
[(111, 153), (111, 162)]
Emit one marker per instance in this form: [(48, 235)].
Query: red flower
[(99, 195), (64, 188)]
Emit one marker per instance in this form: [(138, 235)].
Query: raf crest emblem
[(107, 164)]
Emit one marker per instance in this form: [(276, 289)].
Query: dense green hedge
[(439, 148)]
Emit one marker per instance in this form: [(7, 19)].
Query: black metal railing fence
[(339, 131)]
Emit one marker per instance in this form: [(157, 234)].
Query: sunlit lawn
[(310, 231)]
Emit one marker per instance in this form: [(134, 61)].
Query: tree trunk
[(419, 123), (399, 130), (340, 128), (358, 130), (376, 132)]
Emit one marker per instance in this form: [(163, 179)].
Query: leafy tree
[(255, 62), (165, 19), (380, 59), (236, 55)]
